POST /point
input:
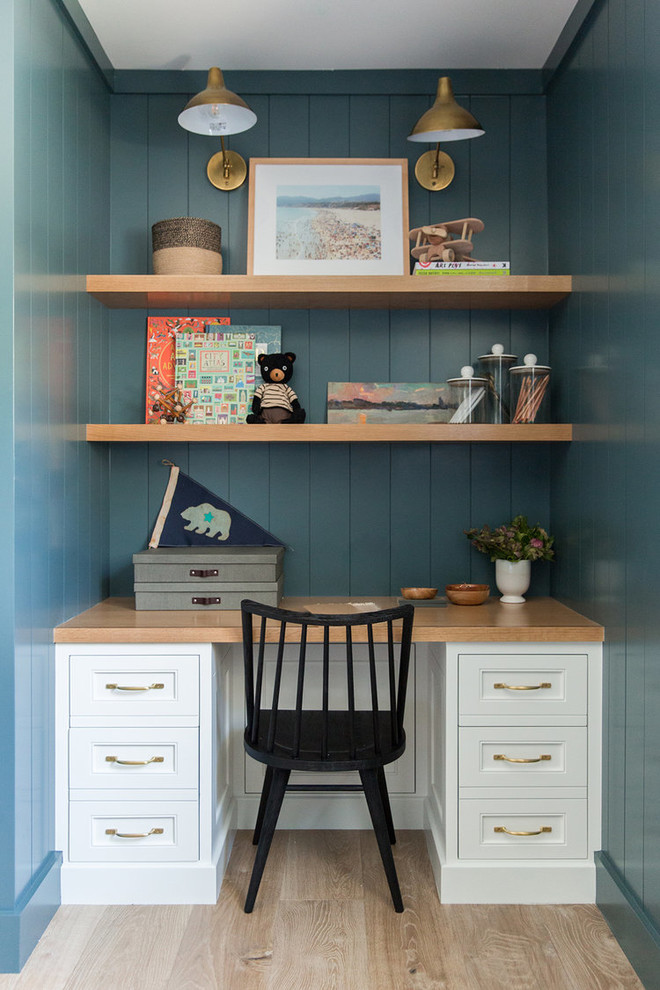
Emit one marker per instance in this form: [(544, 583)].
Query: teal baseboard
[(633, 928), (23, 925)]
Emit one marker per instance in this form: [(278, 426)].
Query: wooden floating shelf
[(330, 433), (158, 292)]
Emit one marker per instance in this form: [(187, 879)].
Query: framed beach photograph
[(328, 216)]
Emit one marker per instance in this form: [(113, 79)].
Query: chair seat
[(343, 751)]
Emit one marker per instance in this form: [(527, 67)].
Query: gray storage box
[(207, 577)]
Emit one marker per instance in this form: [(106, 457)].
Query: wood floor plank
[(320, 945), (59, 948), (223, 946), (409, 951), (323, 865), (594, 958), (131, 946), (506, 947)]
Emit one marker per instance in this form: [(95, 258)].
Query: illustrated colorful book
[(161, 333), (217, 372)]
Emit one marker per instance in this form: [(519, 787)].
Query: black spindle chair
[(363, 733)]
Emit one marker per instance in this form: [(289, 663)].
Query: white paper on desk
[(342, 608)]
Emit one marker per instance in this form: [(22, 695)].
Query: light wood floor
[(324, 921)]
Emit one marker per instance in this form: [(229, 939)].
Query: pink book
[(161, 331)]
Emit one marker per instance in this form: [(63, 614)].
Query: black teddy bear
[(275, 401)]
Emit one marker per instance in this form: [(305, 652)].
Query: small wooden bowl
[(418, 593), (467, 594)]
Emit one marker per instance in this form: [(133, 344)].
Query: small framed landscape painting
[(389, 402), (328, 216)]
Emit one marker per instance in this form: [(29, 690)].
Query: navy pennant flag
[(191, 515)]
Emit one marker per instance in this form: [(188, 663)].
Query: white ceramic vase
[(512, 579)]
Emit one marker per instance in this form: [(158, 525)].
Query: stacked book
[(461, 268)]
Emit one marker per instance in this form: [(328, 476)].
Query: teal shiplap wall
[(360, 519), (54, 376), (604, 193)]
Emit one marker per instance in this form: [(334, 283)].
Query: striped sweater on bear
[(275, 395)]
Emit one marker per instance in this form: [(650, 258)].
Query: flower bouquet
[(514, 541)]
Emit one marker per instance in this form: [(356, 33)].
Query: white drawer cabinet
[(142, 772), (513, 811)]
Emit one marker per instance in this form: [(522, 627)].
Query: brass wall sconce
[(217, 111), (445, 121)]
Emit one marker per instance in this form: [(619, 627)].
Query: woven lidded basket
[(186, 246)]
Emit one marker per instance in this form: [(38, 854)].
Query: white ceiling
[(328, 34)]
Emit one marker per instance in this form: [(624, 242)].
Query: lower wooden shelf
[(330, 433)]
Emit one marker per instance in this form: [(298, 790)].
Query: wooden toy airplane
[(448, 241)]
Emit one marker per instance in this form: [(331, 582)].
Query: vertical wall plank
[(529, 187), (249, 144)]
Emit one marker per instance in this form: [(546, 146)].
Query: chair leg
[(372, 793), (265, 791), (271, 814), (385, 798)]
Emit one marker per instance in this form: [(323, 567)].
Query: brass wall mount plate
[(215, 170), (424, 170)]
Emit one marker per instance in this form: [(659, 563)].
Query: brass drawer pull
[(134, 835), (522, 687), (513, 759), (203, 574), (509, 831), (134, 763), (122, 687)]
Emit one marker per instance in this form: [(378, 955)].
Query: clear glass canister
[(469, 397), (530, 392), (494, 367)]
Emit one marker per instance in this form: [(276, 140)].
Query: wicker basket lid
[(186, 232)]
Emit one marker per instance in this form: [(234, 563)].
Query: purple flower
[(534, 542)]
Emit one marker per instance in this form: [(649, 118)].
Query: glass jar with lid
[(494, 367), (469, 397), (530, 391)]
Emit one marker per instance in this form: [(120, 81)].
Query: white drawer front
[(522, 756), (133, 758), (522, 684), (133, 831), (552, 829), (134, 685)]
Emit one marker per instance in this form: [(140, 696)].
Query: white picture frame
[(328, 216)]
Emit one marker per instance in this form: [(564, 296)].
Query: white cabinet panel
[(400, 774)]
